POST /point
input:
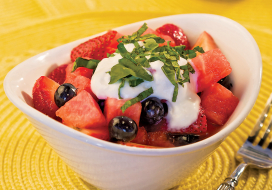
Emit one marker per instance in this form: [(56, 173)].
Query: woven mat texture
[(29, 27)]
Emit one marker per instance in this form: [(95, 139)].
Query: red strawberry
[(165, 37), (141, 137), (93, 48), (43, 96), (114, 42), (176, 33), (58, 74), (158, 138), (199, 126)]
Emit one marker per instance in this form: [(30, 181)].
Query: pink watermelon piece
[(81, 83), (100, 133), (113, 109), (209, 67), (205, 40), (82, 112), (218, 103), (81, 71)]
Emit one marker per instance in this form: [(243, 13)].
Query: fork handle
[(232, 181)]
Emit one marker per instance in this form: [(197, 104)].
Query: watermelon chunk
[(209, 67), (205, 41), (82, 111), (113, 109), (100, 133), (81, 83), (43, 96), (218, 103), (159, 138), (141, 137), (80, 71)]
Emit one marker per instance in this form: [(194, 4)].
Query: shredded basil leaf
[(90, 64), (133, 66), (122, 84), (143, 95)]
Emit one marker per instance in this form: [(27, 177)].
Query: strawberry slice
[(165, 37), (199, 126), (43, 96), (176, 33), (93, 48), (58, 74)]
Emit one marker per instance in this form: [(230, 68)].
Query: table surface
[(29, 27)]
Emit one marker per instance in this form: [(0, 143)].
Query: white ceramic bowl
[(112, 166)]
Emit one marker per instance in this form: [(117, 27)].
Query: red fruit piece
[(218, 103), (136, 145), (205, 41), (82, 111), (209, 67), (141, 137), (58, 74), (176, 33), (43, 96), (113, 109), (81, 83), (199, 126), (114, 42), (165, 37), (158, 138), (93, 48), (80, 71), (100, 133)]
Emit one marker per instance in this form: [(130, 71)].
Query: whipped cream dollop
[(181, 113)]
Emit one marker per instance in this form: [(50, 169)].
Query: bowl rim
[(221, 135)]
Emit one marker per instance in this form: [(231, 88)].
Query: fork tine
[(266, 133), (259, 124)]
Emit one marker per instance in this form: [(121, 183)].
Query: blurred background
[(29, 27)]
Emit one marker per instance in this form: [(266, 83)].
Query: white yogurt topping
[(181, 113)]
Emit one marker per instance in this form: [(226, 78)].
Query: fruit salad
[(150, 89)]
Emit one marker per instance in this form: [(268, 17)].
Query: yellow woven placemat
[(28, 27)]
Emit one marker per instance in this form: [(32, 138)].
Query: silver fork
[(250, 155)]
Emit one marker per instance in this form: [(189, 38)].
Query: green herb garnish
[(143, 95), (132, 67), (90, 64)]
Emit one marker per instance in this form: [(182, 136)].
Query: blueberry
[(64, 93), (122, 128), (182, 139), (152, 111), (226, 82)]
